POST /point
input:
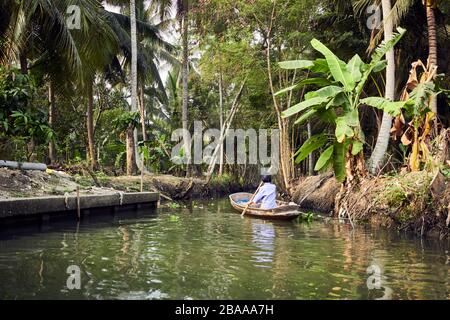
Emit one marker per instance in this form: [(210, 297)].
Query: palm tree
[(131, 133), (21, 37), (432, 42), (130, 164), (151, 53), (182, 12), (51, 118), (381, 146), (146, 44), (36, 31), (184, 22), (95, 29), (399, 10)]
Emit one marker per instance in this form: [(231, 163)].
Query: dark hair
[(266, 178)]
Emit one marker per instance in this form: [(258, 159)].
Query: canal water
[(210, 252)]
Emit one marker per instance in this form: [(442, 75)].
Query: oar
[(251, 199)]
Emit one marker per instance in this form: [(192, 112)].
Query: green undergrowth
[(406, 196)]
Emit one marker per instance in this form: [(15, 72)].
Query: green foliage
[(174, 218), (339, 161), (23, 117), (405, 196), (29, 126), (125, 120), (324, 158), (306, 217), (341, 95), (313, 143), (224, 180), (393, 108), (174, 205), (446, 172), (156, 152), (338, 68)]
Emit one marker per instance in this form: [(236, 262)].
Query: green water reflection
[(209, 252)]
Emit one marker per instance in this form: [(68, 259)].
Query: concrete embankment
[(29, 206), (47, 208)]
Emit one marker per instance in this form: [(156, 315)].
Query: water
[(210, 252)]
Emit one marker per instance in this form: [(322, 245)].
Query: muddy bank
[(316, 193), (18, 184), (178, 188), (415, 201)]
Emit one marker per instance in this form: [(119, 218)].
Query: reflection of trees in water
[(282, 270), (408, 265), (413, 267), (208, 254), (263, 238)]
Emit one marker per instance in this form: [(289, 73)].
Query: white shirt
[(267, 196)]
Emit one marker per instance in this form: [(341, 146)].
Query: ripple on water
[(209, 254)]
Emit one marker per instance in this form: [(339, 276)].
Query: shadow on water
[(210, 252)]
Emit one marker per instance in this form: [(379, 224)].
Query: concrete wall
[(32, 206)]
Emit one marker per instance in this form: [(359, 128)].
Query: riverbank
[(34, 183), (415, 201)]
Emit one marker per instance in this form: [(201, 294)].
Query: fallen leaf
[(405, 140)]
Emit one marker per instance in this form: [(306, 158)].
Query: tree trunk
[(283, 124), (432, 43), (131, 156), (31, 145), (379, 152), (23, 63), (51, 119), (134, 82), (144, 130), (221, 123), (90, 127), (142, 111), (133, 55), (185, 98), (224, 130)]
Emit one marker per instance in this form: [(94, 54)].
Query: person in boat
[(267, 194)]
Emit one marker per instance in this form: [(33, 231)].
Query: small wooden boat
[(284, 211)]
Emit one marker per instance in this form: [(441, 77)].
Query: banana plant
[(337, 101), (420, 90)]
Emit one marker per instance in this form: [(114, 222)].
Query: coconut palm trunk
[(130, 147), (51, 119), (132, 138), (185, 97), (221, 122), (144, 131), (379, 152), (90, 126), (432, 42), (142, 110)]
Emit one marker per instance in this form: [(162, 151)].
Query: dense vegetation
[(85, 96)]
